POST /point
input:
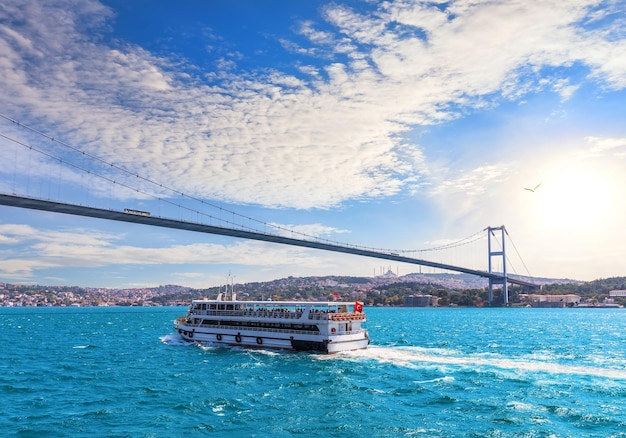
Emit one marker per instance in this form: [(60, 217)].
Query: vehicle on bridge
[(324, 327), (137, 212)]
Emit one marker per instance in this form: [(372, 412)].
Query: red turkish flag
[(358, 307)]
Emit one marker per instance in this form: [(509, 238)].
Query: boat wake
[(418, 358), (174, 339)]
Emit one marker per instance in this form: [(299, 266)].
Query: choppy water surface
[(122, 372)]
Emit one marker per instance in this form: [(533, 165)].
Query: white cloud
[(14, 231), (25, 250), (605, 146), (306, 231), (473, 182), (277, 140)]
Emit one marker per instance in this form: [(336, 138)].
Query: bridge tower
[(502, 253)]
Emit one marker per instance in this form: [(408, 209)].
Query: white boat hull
[(274, 340)]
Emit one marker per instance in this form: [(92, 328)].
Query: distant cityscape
[(388, 289), (305, 288)]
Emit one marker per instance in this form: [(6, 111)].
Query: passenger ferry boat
[(325, 327)]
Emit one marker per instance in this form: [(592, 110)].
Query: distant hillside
[(595, 288), (387, 289), (321, 287), (467, 281)]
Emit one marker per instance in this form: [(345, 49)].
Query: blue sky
[(401, 125)]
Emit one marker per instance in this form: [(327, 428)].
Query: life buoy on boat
[(238, 337), (259, 341), (333, 330), (218, 337)]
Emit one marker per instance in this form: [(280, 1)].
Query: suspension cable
[(106, 178), (143, 192), (518, 253), (465, 241), (148, 180), (507, 257)]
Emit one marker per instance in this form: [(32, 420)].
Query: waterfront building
[(617, 293), (537, 300)]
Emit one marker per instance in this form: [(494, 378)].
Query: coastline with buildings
[(535, 300), (388, 289)]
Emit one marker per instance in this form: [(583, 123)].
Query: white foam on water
[(521, 406), (266, 352), (174, 339), (416, 357), (445, 379)]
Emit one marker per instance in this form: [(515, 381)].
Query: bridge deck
[(79, 210)]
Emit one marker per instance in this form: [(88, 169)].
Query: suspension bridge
[(497, 272)]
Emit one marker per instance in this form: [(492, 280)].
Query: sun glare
[(575, 197)]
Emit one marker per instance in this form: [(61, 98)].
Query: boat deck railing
[(347, 316), (250, 313)]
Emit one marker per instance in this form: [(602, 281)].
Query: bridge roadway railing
[(115, 215)]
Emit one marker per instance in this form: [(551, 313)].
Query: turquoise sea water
[(122, 372)]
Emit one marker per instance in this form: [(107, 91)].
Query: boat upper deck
[(326, 310)]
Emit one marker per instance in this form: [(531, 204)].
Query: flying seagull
[(533, 190)]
